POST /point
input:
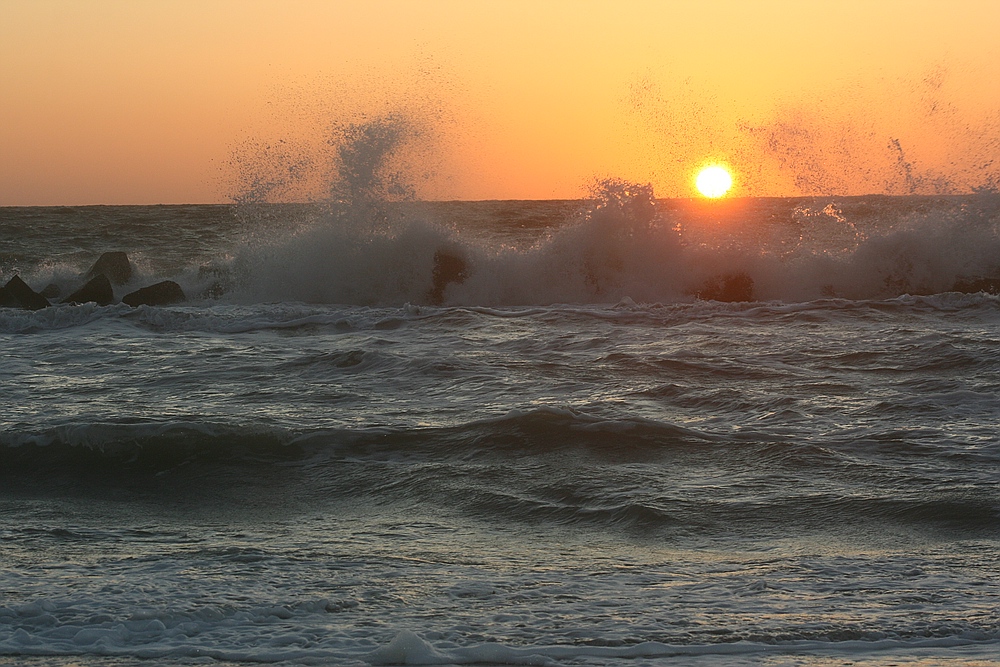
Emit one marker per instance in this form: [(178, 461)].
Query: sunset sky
[(116, 102)]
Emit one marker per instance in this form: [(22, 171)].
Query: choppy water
[(570, 460)]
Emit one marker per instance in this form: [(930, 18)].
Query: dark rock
[(98, 289), (160, 294), (17, 294), (974, 285), (448, 269), (114, 265), (51, 291), (731, 287)]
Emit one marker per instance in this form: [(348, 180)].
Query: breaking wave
[(369, 244), (367, 241)]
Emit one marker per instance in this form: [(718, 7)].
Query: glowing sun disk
[(713, 181)]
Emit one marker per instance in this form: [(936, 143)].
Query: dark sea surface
[(579, 449)]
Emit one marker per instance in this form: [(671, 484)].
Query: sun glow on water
[(713, 181)]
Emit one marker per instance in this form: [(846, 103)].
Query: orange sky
[(145, 102)]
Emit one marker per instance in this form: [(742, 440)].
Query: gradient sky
[(128, 101)]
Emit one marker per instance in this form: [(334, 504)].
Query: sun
[(713, 181)]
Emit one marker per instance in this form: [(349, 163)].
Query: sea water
[(574, 456)]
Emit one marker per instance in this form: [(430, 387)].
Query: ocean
[(618, 431)]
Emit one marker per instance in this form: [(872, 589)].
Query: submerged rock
[(98, 289), (161, 294), (114, 265), (730, 287), (17, 294), (448, 269)]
